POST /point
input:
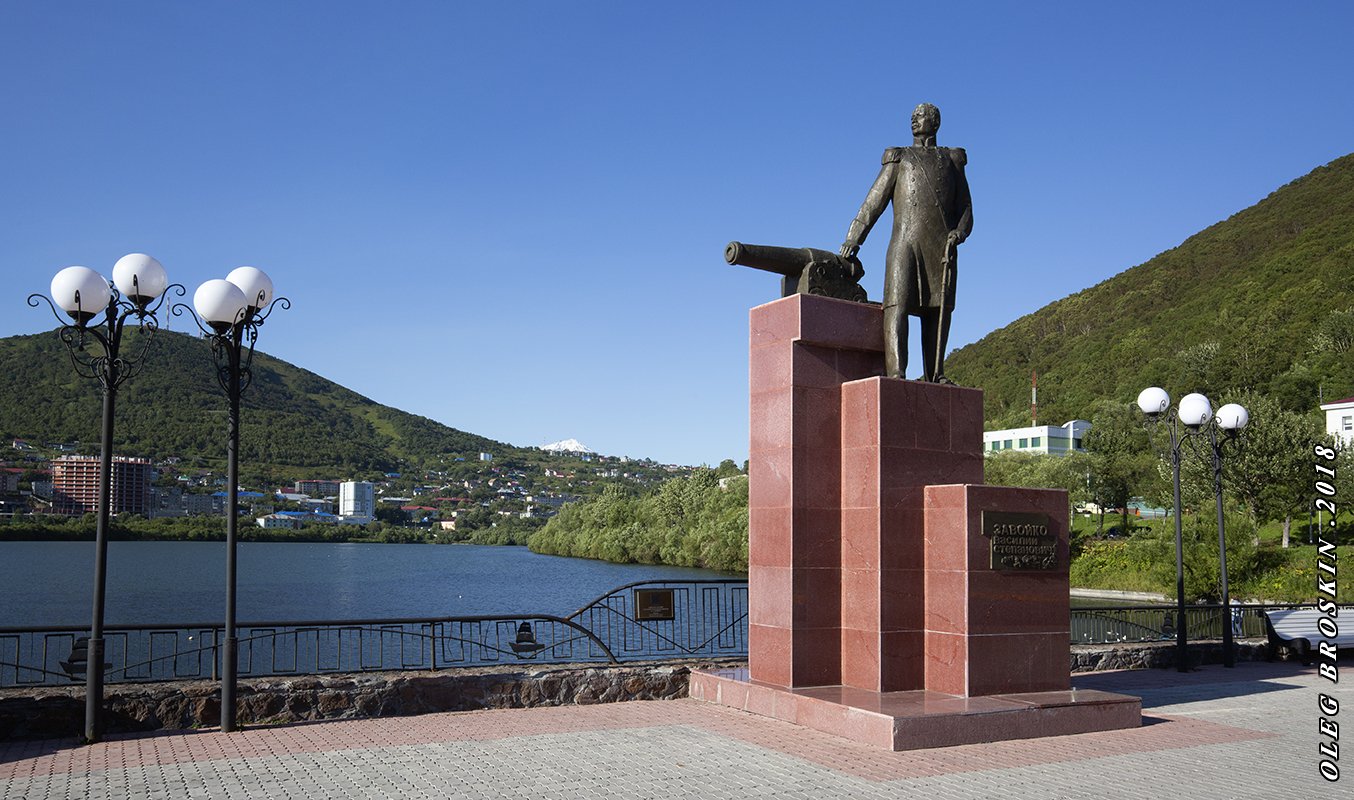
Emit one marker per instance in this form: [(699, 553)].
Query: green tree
[(691, 521), (392, 515), (727, 469), (1335, 333), (1122, 464), (1269, 466), (1070, 472), (1202, 565)]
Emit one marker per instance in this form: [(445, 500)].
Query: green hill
[(291, 418), (1262, 301)]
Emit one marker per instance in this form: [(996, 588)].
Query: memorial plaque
[(1021, 541), (654, 605)]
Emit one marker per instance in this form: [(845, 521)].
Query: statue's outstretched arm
[(875, 203)]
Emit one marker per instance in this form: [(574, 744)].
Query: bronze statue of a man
[(932, 215)]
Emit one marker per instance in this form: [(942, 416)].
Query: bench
[(1296, 629)]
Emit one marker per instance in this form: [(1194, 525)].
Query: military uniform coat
[(930, 199)]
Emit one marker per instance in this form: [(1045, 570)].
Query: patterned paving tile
[(1248, 732)]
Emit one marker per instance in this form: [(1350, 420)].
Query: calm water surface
[(50, 583)]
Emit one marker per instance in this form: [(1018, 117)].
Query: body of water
[(50, 583)]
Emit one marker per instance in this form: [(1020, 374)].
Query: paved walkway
[(1215, 733)]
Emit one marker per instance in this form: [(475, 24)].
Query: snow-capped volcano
[(567, 446)]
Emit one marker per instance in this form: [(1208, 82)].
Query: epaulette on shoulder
[(892, 155), (959, 154)]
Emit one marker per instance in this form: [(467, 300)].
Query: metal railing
[(707, 619), (1109, 625), (646, 620), (678, 620)]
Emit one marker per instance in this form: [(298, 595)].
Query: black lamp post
[(1195, 414), (229, 313), (1230, 419), (138, 289)]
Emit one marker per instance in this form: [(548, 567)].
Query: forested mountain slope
[(174, 407), (1262, 301)]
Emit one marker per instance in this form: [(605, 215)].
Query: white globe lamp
[(220, 303), (256, 285), (81, 292), (1195, 410), (1233, 417), (1153, 400), (140, 278)]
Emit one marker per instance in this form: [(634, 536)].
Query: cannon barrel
[(805, 270), (788, 261)]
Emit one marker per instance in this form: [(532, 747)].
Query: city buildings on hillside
[(318, 488), (293, 520), (309, 503), (1340, 419), (173, 501), (11, 502), (357, 502), (1047, 439), (75, 485), (533, 490)]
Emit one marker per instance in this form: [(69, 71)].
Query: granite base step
[(920, 719)]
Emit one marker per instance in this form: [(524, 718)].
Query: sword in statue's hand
[(946, 277)]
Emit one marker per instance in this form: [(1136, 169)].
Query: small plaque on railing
[(654, 605), (1021, 540)]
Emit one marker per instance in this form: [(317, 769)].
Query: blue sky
[(511, 217)]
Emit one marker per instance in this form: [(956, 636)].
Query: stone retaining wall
[(1158, 655), (43, 712)]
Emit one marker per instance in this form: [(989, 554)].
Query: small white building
[(1340, 419), (1047, 439)]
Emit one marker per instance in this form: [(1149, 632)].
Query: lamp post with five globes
[(229, 313), (138, 289), (1195, 413)]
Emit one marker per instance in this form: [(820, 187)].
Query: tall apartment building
[(357, 501), (75, 485)]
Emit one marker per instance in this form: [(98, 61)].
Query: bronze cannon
[(805, 270)]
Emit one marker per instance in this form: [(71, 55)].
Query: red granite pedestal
[(875, 609)]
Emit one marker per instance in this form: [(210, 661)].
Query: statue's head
[(925, 120)]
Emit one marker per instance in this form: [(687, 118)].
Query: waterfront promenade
[(1248, 732)]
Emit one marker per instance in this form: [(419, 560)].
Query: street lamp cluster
[(229, 313), (1195, 418), (232, 310), (94, 343)]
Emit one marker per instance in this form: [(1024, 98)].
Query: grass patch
[(1145, 560)]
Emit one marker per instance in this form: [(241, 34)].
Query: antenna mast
[(1034, 398)]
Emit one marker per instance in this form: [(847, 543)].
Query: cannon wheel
[(828, 280)]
